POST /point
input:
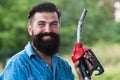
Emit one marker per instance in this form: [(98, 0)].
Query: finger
[(76, 65)]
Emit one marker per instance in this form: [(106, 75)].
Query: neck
[(43, 56)]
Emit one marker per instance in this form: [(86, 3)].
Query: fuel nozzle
[(88, 61)]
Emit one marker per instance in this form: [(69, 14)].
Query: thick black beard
[(49, 47)]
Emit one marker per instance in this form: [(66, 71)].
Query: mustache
[(51, 34)]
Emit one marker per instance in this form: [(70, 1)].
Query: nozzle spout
[(80, 23)]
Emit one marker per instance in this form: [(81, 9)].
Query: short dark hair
[(44, 7)]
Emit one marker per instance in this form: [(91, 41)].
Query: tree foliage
[(13, 23)]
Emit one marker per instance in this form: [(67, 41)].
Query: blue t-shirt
[(26, 65)]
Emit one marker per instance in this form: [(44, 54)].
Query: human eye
[(54, 24), (41, 24)]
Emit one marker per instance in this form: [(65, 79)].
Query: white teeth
[(47, 37)]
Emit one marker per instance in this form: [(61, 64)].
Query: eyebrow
[(47, 22)]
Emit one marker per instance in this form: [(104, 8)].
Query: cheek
[(56, 31), (36, 31)]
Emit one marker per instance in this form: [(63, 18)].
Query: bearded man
[(39, 60)]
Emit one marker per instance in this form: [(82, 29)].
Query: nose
[(47, 28)]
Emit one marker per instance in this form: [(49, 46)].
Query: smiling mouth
[(47, 38)]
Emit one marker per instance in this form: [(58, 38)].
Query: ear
[(29, 29)]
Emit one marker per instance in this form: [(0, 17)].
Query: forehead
[(45, 16)]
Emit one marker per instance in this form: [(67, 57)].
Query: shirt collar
[(29, 49)]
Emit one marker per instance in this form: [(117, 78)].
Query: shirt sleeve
[(12, 71)]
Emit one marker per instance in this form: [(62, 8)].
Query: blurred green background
[(100, 31)]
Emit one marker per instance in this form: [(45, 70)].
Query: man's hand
[(76, 65)]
